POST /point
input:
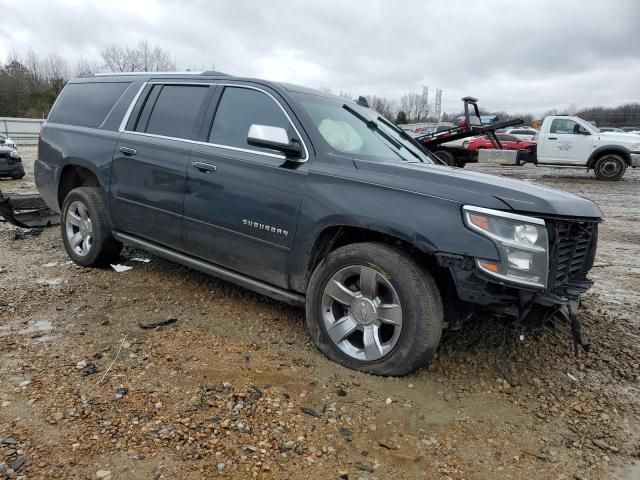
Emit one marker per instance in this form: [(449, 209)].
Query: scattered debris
[(102, 380), (121, 392), (159, 323), (141, 259), (90, 369), (120, 268), (366, 467), (388, 446), (27, 211), (310, 411)]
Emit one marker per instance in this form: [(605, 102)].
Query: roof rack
[(127, 74)]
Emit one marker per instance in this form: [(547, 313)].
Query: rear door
[(149, 167), (242, 202)]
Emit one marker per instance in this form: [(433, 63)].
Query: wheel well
[(74, 176), (338, 236), (620, 153)]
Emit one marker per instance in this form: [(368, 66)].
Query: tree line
[(30, 83)]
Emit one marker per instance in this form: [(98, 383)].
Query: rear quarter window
[(86, 104)]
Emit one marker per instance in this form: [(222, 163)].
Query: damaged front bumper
[(479, 297)]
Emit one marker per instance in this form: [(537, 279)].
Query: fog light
[(520, 260)]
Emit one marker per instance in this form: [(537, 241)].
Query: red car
[(509, 142)]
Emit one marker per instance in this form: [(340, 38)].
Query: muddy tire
[(370, 307), (85, 228), (610, 167)]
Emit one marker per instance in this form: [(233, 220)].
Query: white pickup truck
[(571, 141)]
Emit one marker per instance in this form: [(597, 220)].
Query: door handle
[(552, 138), (128, 151), (205, 167)]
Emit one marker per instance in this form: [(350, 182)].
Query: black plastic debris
[(159, 323), (89, 370), (310, 411)]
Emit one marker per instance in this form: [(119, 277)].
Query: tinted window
[(507, 138), (86, 104), (240, 108), (176, 110)]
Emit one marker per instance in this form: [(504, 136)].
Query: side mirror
[(274, 138), (580, 130)]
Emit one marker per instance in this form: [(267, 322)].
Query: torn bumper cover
[(27, 211), (572, 248)]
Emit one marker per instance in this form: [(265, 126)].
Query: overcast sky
[(513, 55)]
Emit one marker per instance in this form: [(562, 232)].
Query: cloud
[(515, 56)]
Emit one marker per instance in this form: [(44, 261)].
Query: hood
[(627, 138), (465, 186)]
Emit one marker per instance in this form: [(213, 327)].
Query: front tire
[(370, 307), (610, 167), (85, 228)]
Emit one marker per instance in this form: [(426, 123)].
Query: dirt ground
[(235, 389)]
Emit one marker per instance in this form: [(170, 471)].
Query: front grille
[(572, 250)]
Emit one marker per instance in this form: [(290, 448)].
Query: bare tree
[(87, 67), (144, 57)]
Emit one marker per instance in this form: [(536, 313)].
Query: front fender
[(429, 224), (619, 149)]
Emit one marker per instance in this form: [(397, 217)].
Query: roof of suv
[(208, 74)]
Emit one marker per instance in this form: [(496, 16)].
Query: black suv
[(312, 200)]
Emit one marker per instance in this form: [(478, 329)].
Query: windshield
[(341, 126)]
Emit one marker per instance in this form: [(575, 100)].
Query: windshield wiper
[(373, 126), (409, 138)]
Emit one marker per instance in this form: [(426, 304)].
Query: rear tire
[(86, 232), (610, 167), (389, 328)]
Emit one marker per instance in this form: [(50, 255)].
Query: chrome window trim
[(125, 120), (127, 114)]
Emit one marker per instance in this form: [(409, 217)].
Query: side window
[(86, 104), (172, 110), (239, 108), (563, 126)]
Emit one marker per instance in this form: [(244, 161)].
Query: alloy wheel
[(78, 228), (361, 312)]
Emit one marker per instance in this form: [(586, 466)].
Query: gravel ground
[(235, 389)]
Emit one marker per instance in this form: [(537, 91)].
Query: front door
[(566, 143), (242, 202), (149, 167)]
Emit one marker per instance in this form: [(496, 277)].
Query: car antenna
[(362, 101)]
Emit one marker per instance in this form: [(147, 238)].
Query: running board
[(214, 270)]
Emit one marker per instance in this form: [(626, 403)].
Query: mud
[(220, 392)]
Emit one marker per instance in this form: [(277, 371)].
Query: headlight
[(522, 242), (14, 154)]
